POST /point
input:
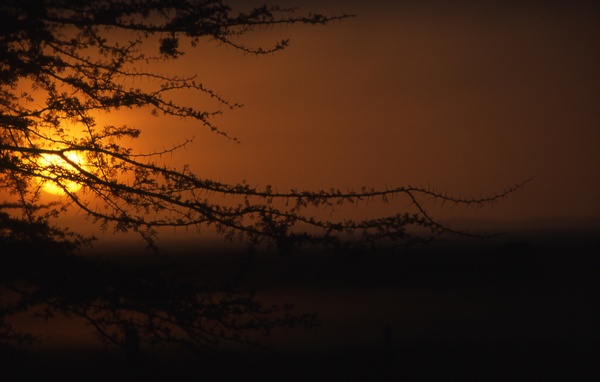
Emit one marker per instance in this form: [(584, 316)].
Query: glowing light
[(58, 184)]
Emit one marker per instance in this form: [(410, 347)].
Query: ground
[(520, 307)]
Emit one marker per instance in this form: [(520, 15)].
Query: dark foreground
[(520, 308)]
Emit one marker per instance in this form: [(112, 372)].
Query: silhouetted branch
[(64, 61)]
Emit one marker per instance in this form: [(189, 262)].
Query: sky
[(467, 98)]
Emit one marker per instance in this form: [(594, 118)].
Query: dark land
[(521, 307)]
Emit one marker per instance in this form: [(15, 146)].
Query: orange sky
[(468, 99)]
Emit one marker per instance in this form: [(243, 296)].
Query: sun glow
[(55, 184)]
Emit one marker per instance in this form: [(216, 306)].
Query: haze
[(465, 98)]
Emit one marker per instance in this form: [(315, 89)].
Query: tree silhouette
[(129, 307), (64, 61)]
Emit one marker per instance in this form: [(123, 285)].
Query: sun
[(55, 184)]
